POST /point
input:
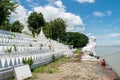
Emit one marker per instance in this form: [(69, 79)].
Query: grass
[(52, 67), (49, 68), (78, 51), (32, 78), (78, 55)]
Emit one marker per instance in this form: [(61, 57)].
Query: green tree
[(35, 22), (76, 39), (47, 30), (57, 28), (16, 27), (6, 7)]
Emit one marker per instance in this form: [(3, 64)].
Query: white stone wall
[(14, 47)]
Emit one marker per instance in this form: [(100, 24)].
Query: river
[(112, 56)]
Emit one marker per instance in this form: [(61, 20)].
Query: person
[(98, 57), (95, 56), (91, 54), (102, 62)]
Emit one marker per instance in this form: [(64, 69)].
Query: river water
[(112, 56)]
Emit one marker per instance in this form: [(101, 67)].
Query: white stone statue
[(90, 48)]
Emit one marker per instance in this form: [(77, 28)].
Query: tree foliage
[(76, 39), (57, 29), (16, 27), (6, 7), (35, 21), (47, 30)]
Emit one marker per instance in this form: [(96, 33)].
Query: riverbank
[(111, 54), (69, 69), (84, 70)]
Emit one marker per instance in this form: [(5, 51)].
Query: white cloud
[(59, 4), (113, 35), (109, 39), (20, 15), (85, 1), (101, 14), (79, 29), (89, 34), (52, 12), (97, 13)]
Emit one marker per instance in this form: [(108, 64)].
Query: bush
[(27, 61), (24, 60), (78, 51), (15, 47), (30, 61), (53, 58), (30, 45), (9, 50), (49, 47)]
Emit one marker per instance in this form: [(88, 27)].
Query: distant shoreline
[(108, 45)]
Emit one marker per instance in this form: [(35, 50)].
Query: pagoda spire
[(26, 30), (41, 34)]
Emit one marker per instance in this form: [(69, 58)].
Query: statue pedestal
[(87, 57)]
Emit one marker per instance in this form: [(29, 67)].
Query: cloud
[(79, 29), (85, 1), (52, 12), (107, 42), (16, 1), (89, 34), (20, 15), (101, 14), (59, 4), (28, 0), (97, 13), (109, 39), (32, 4), (113, 35)]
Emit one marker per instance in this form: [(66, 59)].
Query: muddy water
[(114, 59)]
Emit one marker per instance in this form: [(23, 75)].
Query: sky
[(99, 18)]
